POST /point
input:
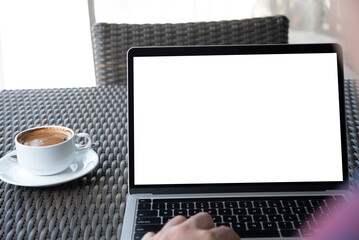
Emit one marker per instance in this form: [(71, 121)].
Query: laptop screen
[(236, 118)]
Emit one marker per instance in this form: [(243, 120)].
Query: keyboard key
[(290, 217), (245, 204), (303, 203), (260, 204), (229, 219), (218, 205), (180, 212), (148, 228), (269, 211), (285, 225), (285, 210), (275, 218), (301, 224), (240, 211), (245, 218), (225, 211), (147, 213), (274, 203), (160, 205), (260, 218), (166, 213), (212, 212), (254, 211), (202, 205), (239, 226), (187, 205), (254, 226), (269, 225), (305, 217), (289, 203), (173, 205), (231, 204), (289, 233), (148, 220), (258, 234), (144, 206), (299, 210), (144, 200), (317, 202), (139, 235), (312, 210)]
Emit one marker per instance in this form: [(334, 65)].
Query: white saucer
[(11, 172)]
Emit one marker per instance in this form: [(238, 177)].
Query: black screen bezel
[(235, 50)]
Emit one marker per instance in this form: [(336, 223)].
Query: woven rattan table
[(91, 207)]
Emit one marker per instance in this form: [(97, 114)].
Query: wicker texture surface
[(111, 41), (352, 110), (91, 207)]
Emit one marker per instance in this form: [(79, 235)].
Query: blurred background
[(47, 43)]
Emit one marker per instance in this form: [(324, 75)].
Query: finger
[(224, 233), (175, 221), (148, 236), (201, 220)]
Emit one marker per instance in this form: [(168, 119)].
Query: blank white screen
[(236, 119)]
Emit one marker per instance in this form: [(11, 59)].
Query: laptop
[(255, 135)]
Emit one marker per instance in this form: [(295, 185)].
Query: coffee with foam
[(41, 137)]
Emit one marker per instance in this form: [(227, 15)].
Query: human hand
[(198, 227)]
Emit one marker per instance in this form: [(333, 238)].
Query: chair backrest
[(111, 41)]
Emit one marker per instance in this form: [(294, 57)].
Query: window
[(319, 16), (45, 44)]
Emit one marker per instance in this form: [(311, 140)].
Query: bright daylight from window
[(47, 44)]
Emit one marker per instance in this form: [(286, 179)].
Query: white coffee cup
[(42, 159)]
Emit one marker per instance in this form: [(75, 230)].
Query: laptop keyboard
[(249, 217)]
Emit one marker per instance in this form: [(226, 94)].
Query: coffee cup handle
[(82, 147), (12, 155)]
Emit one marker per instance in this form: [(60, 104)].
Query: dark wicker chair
[(111, 41)]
